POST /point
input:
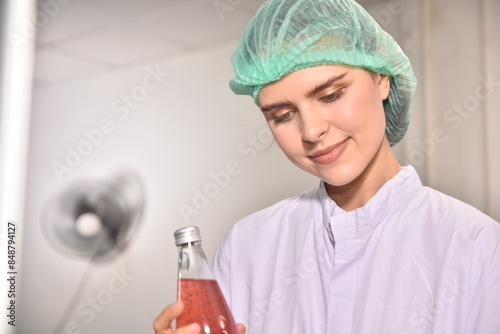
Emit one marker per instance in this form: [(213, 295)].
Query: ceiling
[(77, 38)]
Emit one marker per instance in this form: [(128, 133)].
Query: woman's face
[(329, 120)]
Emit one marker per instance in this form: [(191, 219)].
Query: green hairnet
[(288, 35)]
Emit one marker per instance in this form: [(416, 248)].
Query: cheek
[(365, 113), (283, 139), (288, 141)]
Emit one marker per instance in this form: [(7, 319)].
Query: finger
[(191, 329), (164, 320), (241, 328)]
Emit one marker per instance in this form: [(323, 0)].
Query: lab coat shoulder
[(451, 213), (278, 214), (457, 227), (468, 243), (248, 249), (257, 230), (263, 225)]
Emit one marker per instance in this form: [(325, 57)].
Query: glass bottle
[(197, 288)]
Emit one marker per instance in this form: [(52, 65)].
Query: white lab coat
[(412, 260)]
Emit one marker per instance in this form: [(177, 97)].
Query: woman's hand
[(163, 323)]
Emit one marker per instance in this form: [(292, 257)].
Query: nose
[(314, 125)]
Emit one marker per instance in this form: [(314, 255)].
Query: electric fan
[(93, 219)]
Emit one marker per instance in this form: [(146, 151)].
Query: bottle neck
[(193, 263)]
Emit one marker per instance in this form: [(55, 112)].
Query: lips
[(329, 154)]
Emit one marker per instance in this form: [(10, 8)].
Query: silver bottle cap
[(187, 234)]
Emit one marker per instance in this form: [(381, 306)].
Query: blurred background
[(121, 109)]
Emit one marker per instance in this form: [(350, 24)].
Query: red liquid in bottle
[(205, 305)]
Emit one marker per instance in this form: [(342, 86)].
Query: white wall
[(462, 97), (452, 140), (192, 125), (189, 126)]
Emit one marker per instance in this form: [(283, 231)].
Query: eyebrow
[(325, 85), (276, 105), (312, 92)]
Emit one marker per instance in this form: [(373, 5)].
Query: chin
[(339, 180), (338, 177), (338, 174)]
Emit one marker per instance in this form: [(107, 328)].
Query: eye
[(283, 117), (333, 96)]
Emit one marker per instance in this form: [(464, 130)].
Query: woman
[(371, 250)]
